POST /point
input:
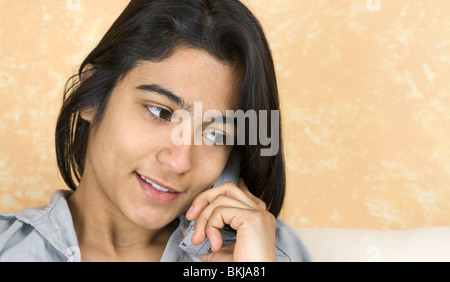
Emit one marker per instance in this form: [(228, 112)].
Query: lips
[(156, 190), (156, 186)]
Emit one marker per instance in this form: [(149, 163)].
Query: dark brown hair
[(150, 30)]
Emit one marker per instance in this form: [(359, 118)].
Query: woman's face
[(133, 140)]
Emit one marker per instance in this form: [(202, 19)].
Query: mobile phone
[(229, 173)]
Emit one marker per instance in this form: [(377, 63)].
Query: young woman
[(134, 190)]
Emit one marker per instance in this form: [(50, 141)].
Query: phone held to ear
[(230, 173)]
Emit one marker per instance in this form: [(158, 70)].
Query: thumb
[(224, 255)]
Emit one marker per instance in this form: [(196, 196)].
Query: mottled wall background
[(365, 96)]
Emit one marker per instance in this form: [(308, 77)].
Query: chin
[(152, 218)]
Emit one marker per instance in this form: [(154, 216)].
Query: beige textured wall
[(365, 95)]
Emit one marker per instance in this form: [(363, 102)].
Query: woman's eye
[(160, 113), (215, 138)]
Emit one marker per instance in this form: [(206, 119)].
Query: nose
[(176, 158)]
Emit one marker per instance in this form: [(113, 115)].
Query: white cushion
[(421, 244)]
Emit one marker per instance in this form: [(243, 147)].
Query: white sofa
[(356, 245)]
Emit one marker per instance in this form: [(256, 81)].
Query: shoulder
[(8, 222), (289, 245), (38, 234), (13, 236), (10, 227)]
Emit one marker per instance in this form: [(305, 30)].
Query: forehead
[(194, 75)]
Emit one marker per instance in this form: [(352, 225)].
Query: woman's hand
[(245, 213)]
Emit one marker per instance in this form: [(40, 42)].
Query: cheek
[(210, 167), (115, 143), (133, 141)]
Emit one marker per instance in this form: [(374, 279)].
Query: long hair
[(150, 30)]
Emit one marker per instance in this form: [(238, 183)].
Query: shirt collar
[(54, 223)]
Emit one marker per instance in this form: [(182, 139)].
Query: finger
[(247, 192), (204, 199), (223, 215), (215, 238), (225, 254), (255, 235), (203, 218)]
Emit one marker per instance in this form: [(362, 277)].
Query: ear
[(87, 71), (88, 113)]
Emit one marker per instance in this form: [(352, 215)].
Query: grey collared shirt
[(47, 234)]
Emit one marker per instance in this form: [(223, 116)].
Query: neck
[(105, 234)]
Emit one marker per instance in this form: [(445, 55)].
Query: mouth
[(156, 186), (157, 191)]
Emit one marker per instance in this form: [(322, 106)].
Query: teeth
[(156, 186)]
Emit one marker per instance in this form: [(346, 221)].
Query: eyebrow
[(180, 102), (167, 93)]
